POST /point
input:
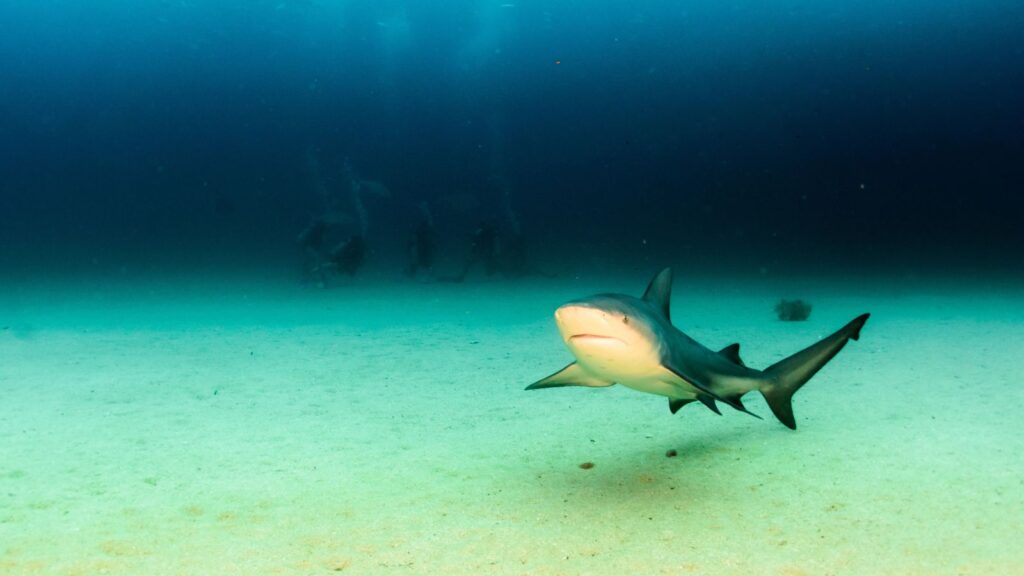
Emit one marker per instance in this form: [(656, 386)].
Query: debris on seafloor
[(792, 310)]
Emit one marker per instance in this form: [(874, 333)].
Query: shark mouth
[(577, 337)]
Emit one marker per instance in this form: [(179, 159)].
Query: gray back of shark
[(688, 371)]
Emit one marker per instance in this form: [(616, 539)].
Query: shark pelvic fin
[(709, 402), (706, 396), (659, 292), (571, 375), (674, 404), (732, 353)]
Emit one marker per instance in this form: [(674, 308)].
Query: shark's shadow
[(640, 475)]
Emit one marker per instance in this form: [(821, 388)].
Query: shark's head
[(611, 336)]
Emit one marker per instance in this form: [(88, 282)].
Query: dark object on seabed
[(793, 310)]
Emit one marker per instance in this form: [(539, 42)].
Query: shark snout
[(575, 313), (577, 320)]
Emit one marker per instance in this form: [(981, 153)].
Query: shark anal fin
[(571, 375), (736, 401), (659, 292), (699, 388), (732, 354), (674, 404), (707, 396)]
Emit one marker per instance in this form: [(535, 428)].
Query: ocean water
[(274, 276)]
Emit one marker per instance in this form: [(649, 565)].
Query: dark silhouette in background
[(313, 241), (348, 257), (422, 245), (728, 134), (483, 251)]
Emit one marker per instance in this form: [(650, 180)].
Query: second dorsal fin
[(659, 292), (732, 353)]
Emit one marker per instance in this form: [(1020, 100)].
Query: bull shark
[(631, 341)]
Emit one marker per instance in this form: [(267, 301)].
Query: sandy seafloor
[(238, 428)]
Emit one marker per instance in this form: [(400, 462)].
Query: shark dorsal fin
[(732, 354), (659, 291)]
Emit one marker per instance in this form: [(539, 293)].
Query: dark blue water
[(792, 135)]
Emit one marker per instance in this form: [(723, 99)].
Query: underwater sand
[(190, 429)]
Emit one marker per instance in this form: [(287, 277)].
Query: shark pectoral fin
[(571, 375), (674, 404), (732, 354)]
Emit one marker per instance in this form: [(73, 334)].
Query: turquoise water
[(274, 274), (382, 428)]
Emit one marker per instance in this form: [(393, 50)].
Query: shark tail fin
[(785, 377)]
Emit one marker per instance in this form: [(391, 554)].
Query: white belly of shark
[(610, 359)]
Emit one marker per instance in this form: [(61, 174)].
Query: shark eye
[(625, 319)]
